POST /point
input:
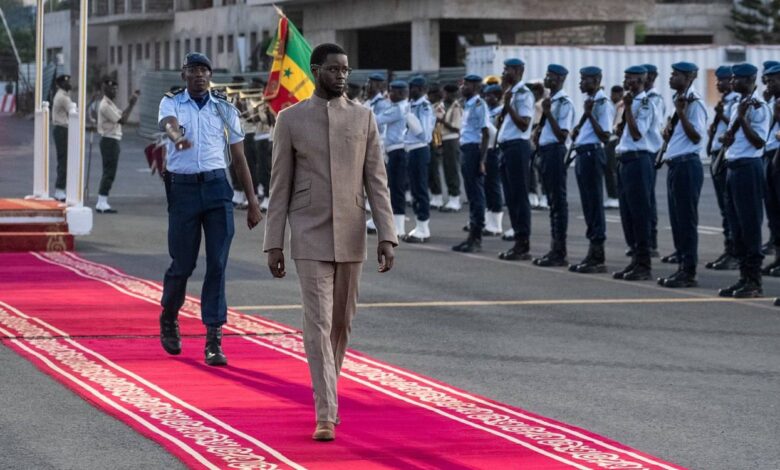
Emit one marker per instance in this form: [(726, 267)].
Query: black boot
[(684, 277), (641, 271), (593, 262), (170, 338), (214, 354), (726, 263), (518, 252), (555, 258), (767, 270), (752, 287), (729, 291), (671, 259), (768, 248), (624, 271), (473, 243)]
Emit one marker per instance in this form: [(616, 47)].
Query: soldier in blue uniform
[(769, 247), (552, 133), (474, 136), (589, 137), (393, 121), (656, 142), (375, 94), (723, 112), (685, 140), (419, 132), (772, 165), (745, 184), (636, 175), (514, 134), (200, 124)]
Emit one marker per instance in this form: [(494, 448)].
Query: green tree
[(751, 20), (774, 35), (21, 21)]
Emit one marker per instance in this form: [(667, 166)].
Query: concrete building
[(689, 22)]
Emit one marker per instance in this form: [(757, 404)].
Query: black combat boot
[(767, 270), (684, 277), (729, 291), (214, 354), (518, 252), (641, 271), (752, 287), (473, 243), (170, 338), (674, 258), (593, 262), (555, 258)]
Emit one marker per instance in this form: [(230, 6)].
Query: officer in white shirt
[(745, 181), (393, 120), (685, 136), (553, 131), (59, 119)]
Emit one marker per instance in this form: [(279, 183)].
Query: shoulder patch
[(172, 93), (219, 94)]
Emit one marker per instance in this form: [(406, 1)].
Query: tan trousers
[(329, 291)]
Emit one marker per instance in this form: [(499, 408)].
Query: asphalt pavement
[(674, 373)]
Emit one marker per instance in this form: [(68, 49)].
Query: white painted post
[(41, 153)]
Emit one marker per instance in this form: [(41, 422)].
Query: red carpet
[(94, 329), (33, 225)]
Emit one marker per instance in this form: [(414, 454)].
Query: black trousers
[(589, 168), (109, 151), (683, 186), (515, 175), (60, 134), (553, 172), (636, 176), (719, 183), (745, 210)]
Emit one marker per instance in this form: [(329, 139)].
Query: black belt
[(192, 178), (550, 146), (683, 158), (632, 154), (587, 148), (507, 143), (738, 162)]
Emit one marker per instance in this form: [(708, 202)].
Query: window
[(167, 52), (197, 45), (208, 47), (157, 55), (187, 45), (119, 54), (148, 47), (177, 53), (230, 43), (139, 52), (112, 55), (220, 44)]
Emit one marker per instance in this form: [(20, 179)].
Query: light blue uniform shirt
[(680, 144), (562, 109), (642, 110), (604, 113), (377, 104), (423, 110), (523, 102), (393, 119), (729, 106), (759, 121), (654, 132), (476, 117), (771, 139), (204, 128)]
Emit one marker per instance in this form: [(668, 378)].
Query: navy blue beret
[(724, 71), (685, 67), (514, 62), (590, 71), (774, 70), (558, 70), (492, 89), (196, 58), (768, 64), (399, 85), (377, 77), (472, 78), (419, 80), (650, 68), (744, 70), (636, 69)]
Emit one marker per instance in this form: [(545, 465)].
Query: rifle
[(673, 121), (718, 164), (576, 131), (714, 126)]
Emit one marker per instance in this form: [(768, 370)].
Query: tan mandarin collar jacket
[(324, 154)]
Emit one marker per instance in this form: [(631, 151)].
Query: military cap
[(774, 70), (744, 70), (450, 88), (768, 64), (62, 78), (636, 69), (110, 82), (650, 68), (377, 77), (492, 89), (724, 71), (196, 58), (590, 71), (472, 78), (418, 80), (399, 85), (685, 67), (514, 62), (557, 70)]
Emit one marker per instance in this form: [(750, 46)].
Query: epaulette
[(523, 90), (172, 93), (645, 101), (219, 94), (600, 100)]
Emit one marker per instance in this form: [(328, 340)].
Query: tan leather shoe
[(325, 431)]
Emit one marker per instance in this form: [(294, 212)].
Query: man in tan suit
[(325, 153)]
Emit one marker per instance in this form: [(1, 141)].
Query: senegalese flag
[(290, 80)]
